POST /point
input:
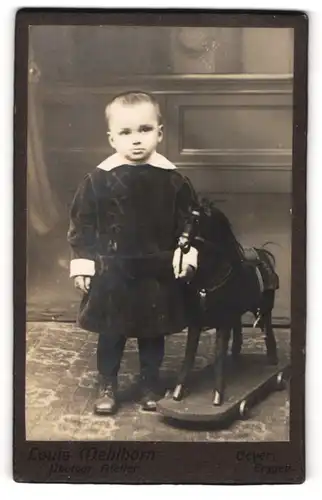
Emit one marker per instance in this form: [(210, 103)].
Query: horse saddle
[(264, 267)]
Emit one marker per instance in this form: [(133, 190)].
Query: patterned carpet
[(61, 380)]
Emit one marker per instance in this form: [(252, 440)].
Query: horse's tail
[(268, 253)]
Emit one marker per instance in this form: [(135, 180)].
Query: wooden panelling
[(238, 179), (76, 121), (241, 129), (234, 128), (228, 133), (73, 124)]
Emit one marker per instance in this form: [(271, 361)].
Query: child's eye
[(125, 132), (146, 128)]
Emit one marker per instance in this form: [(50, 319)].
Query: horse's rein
[(187, 236)]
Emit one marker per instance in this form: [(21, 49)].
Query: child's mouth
[(137, 151)]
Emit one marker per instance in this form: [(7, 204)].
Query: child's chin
[(138, 158)]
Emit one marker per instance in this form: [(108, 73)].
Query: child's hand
[(186, 273), (182, 266), (82, 283)]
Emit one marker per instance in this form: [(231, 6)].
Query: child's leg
[(109, 355), (151, 353)]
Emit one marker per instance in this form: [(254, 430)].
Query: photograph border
[(166, 462)]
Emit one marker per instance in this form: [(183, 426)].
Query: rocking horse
[(228, 282)]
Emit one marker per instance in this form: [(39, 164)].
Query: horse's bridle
[(186, 239)]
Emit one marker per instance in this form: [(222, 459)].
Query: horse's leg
[(270, 341), (189, 358), (237, 339), (221, 346)]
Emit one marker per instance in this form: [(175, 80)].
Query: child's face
[(134, 131)]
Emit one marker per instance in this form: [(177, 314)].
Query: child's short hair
[(131, 98)]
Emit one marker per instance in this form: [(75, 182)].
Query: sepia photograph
[(159, 226), (159, 263)]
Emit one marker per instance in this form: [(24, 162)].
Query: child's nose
[(136, 139)]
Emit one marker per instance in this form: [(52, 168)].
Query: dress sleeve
[(82, 232)]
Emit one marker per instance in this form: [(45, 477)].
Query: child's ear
[(110, 138), (160, 133)]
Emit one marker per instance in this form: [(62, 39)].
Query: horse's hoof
[(280, 382), (178, 392), (217, 401)]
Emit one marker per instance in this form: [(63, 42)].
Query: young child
[(125, 221)]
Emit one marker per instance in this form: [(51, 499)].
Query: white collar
[(116, 160)]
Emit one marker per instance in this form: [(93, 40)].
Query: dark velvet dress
[(128, 220)]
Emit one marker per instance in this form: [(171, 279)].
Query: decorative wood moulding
[(196, 83)]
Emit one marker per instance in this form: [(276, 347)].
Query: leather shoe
[(150, 392), (106, 402)]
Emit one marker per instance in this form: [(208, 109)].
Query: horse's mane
[(223, 228)]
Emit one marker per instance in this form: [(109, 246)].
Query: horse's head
[(209, 230)]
